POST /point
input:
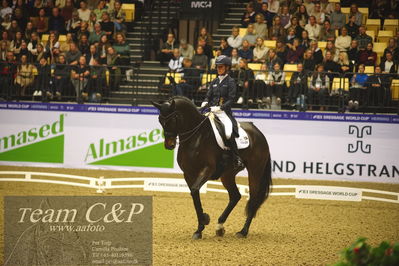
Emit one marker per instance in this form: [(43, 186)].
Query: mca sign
[(196, 9)]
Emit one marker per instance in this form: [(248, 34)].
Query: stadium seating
[(395, 89), (374, 25), (392, 25), (384, 35), (322, 45), (340, 83), (129, 11), (371, 33), (206, 78), (365, 12), (270, 44), (254, 66), (243, 31), (369, 70), (176, 76)]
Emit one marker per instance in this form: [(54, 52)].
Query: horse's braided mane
[(185, 100)]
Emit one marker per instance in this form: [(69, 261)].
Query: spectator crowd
[(52, 48), (285, 50)]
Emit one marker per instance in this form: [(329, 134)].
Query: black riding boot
[(238, 163)]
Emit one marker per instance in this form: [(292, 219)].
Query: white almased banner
[(360, 148)]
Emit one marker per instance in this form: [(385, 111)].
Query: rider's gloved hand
[(203, 104), (215, 108)]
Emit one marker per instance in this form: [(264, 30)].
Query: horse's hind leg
[(234, 196)]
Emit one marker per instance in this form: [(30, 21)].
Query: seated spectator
[(354, 11), (285, 16), (5, 37), (244, 78), (317, 53), (118, 17), (52, 42), (176, 63), (276, 31), (259, 88), (28, 31), (56, 22), (282, 51), (358, 89), (393, 48), (73, 55), (40, 53), (302, 16), (294, 6), (333, 50), (363, 39), (186, 49), (246, 52), (274, 6), (14, 28), (25, 76), (318, 14), (21, 17), (235, 39), (267, 16), (250, 36), (92, 55), (207, 48), (34, 41), (298, 84), (294, 25), (327, 7), (368, 57), (319, 86), (167, 49), (275, 82), (260, 51), (345, 65), (327, 33), (313, 28), (100, 10), (352, 27), (64, 47), (41, 24), (97, 81), (67, 10), (260, 27), (225, 48), (343, 41), (329, 64), (249, 15), (24, 51), (84, 12), (200, 60), (203, 34), (378, 88), (295, 53), (83, 30), (309, 62), (235, 59), (305, 41), (309, 4), (107, 25), (43, 79), (61, 77), (114, 71), (92, 21), (122, 49), (103, 46), (337, 18), (7, 73), (80, 77), (84, 45), (15, 44), (289, 38), (388, 65), (272, 59), (5, 9), (189, 81), (95, 35), (353, 53), (73, 24)]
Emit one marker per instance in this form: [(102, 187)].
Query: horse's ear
[(156, 105), (172, 105)]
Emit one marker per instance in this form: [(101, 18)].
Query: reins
[(192, 131)]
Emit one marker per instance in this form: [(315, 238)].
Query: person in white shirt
[(176, 63), (274, 6), (235, 39), (84, 12), (343, 41), (186, 49), (313, 28), (319, 15), (5, 9)]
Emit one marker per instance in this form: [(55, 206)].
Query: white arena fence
[(102, 184)]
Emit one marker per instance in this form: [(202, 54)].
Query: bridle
[(175, 115)]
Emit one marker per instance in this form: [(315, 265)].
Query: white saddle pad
[(242, 141)]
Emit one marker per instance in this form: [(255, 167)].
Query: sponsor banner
[(54, 230), (196, 9), (328, 193), (303, 145), (169, 185)]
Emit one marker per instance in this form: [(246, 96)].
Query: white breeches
[(228, 125)]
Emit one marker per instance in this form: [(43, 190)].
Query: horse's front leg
[(203, 218)]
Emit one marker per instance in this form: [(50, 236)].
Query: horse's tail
[(261, 192)]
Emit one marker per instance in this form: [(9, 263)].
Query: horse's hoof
[(241, 235), (197, 236), (206, 219), (220, 232)]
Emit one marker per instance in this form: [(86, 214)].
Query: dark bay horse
[(199, 157)]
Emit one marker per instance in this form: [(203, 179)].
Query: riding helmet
[(223, 60)]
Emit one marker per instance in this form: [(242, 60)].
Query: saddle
[(219, 131)]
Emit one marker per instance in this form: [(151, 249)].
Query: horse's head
[(169, 119)]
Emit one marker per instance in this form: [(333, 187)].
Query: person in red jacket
[(8, 70), (368, 57)]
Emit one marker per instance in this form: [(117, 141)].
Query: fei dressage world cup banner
[(325, 146)]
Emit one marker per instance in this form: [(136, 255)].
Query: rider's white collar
[(222, 77)]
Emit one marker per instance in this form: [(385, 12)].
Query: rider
[(221, 94)]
